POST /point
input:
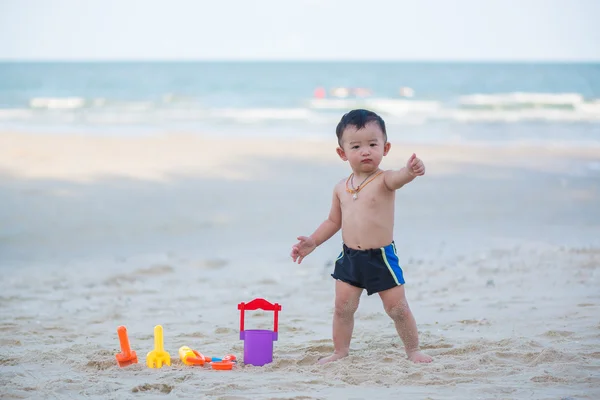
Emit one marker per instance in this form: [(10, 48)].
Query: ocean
[(493, 103)]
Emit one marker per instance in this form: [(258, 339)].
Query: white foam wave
[(394, 112), (589, 108), (15, 114), (75, 103), (383, 105), (514, 107), (403, 107), (99, 102), (172, 98), (261, 114), (334, 104), (522, 99), (511, 116), (135, 105), (116, 118), (172, 109), (57, 103)]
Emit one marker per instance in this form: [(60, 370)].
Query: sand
[(500, 248)]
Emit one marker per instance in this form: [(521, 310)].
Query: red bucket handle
[(259, 304)]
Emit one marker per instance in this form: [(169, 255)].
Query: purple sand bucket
[(258, 346), (258, 343)]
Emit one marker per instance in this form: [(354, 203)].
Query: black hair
[(359, 118)]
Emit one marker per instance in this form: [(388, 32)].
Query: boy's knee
[(345, 309), (398, 311)]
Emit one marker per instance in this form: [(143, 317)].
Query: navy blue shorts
[(373, 269)]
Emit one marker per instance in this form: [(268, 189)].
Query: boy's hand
[(304, 247), (415, 166)]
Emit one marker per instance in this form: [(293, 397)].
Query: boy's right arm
[(331, 225), (324, 232)]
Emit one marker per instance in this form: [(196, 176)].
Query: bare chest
[(371, 200)]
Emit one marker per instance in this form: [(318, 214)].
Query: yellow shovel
[(157, 357)]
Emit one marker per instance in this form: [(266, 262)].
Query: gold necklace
[(365, 182)]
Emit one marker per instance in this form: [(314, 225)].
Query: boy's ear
[(386, 148), (341, 153)]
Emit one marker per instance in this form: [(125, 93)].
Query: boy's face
[(363, 148)]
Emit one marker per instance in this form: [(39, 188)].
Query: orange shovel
[(126, 356), (157, 357)]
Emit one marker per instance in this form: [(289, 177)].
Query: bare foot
[(333, 357), (418, 357)]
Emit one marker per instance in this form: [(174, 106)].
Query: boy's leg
[(396, 306), (347, 298)]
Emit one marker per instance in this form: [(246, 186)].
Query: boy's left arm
[(397, 178)]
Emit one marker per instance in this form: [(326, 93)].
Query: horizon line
[(297, 60), (282, 61)]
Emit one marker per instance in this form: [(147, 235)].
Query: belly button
[(359, 247)]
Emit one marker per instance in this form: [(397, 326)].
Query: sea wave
[(261, 114), (522, 100), (170, 108), (383, 105), (57, 103), (513, 107)]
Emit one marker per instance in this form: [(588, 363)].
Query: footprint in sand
[(267, 281), (482, 321), (120, 280), (548, 378), (585, 305), (222, 330), (126, 279), (430, 346), (292, 329), (7, 327), (5, 361), (212, 264), (320, 348), (100, 365), (553, 333), (193, 335), (10, 342), (154, 270), (158, 387), (549, 355), (470, 348)]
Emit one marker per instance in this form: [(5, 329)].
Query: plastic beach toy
[(126, 356), (227, 358), (192, 357), (258, 344), (222, 365), (158, 357)]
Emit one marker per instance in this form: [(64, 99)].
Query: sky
[(422, 30)]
